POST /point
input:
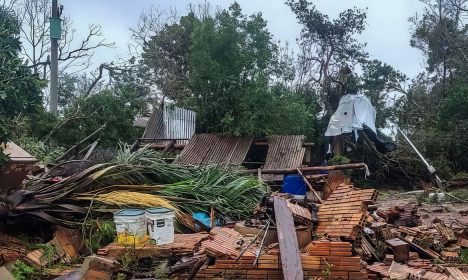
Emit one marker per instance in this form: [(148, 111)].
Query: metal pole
[(429, 167), (53, 95)]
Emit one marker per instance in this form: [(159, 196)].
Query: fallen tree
[(139, 179)]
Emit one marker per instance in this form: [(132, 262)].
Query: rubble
[(335, 231)]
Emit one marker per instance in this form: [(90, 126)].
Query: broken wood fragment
[(289, 248)]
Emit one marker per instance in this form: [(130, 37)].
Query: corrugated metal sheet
[(284, 151), (215, 149), (178, 123), (171, 122), (155, 127)]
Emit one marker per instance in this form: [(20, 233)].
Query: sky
[(387, 34)]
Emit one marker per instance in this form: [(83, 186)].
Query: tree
[(227, 68), (116, 107), (433, 110), (165, 57), (231, 59), (326, 46), (440, 34), (384, 86), (74, 56), (20, 90)]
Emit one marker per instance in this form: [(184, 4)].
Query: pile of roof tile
[(318, 258), (343, 213), (356, 240)]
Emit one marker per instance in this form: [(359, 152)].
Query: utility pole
[(55, 35)]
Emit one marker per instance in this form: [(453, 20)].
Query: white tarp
[(353, 111)]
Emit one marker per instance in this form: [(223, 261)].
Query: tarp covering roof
[(354, 111)]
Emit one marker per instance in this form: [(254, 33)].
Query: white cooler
[(160, 222)]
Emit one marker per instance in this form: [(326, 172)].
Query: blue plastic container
[(294, 184)]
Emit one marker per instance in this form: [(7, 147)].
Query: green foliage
[(330, 44), (48, 252), (433, 110), (379, 81), (463, 255), (232, 193), (42, 152), (337, 160), (101, 233), (460, 175), (230, 59), (454, 109), (116, 107), (166, 56), (228, 69), (20, 91), (22, 271)]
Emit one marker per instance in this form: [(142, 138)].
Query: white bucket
[(130, 226), (160, 225)]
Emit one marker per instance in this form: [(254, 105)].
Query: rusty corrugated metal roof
[(284, 151), (215, 149), (155, 125)]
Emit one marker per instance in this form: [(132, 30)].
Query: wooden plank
[(289, 248), (311, 188)]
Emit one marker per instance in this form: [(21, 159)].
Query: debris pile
[(228, 223)]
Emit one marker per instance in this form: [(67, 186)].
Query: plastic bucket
[(160, 223), (130, 226), (294, 184)]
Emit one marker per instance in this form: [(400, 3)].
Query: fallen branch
[(80, 142)]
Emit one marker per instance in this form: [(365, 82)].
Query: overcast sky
[(387, 33)]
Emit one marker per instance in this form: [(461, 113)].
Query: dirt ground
[(447, 211)]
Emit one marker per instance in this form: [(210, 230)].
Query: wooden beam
[(310, 169), (311, 188), (91, 149), (289, 248)]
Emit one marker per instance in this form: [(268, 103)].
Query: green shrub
[(22, 271), (43, 153), (337, 160)]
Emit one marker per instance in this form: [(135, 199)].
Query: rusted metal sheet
[(215, 149), (155, 126), (171, 122), (284, 151)]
